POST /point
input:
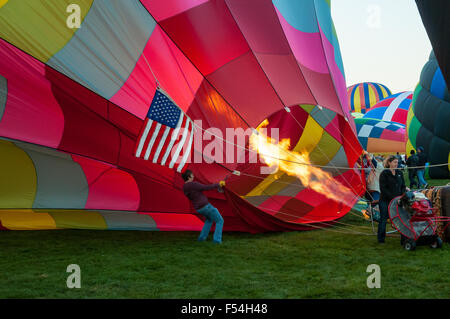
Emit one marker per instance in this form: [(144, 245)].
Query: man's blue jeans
[(212, 215), (420, 175)]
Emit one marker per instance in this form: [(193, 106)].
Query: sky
[(381, 41)]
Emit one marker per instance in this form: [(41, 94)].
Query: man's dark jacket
[(412, 161), (422, 158)]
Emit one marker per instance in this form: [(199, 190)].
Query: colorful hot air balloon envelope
[(429, 118), (73, 102), (394, 108), (363, 96), (377, 136)]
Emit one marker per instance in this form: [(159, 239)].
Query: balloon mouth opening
[(290, 183)]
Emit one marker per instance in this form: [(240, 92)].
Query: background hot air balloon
[(435, 19), (73, 104), (377, 136), (394, 108), (429, 118), (363, 96)]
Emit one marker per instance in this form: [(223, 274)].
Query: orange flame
[(277, 154)]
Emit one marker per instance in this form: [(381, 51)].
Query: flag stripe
[(179, 142), (161, 144), (144, 137), (166, 146), (180, 146), (188, 150), (152, 141), (149, 135), (156, 143)]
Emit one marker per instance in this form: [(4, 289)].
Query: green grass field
[(328, 263)]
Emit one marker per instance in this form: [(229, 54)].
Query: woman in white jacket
[(373, 179)]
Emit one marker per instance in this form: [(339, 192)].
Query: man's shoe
[(216, 242)]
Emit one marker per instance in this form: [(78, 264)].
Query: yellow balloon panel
[(306, 143), (260, 188), (77, 219), (372, 98), (409, 147), (312, 134), (357, 99), (384, 91), (3, 2), (40, 27), (325, 150), (26, 220), (409, 119), (17, 177), (281, 183)]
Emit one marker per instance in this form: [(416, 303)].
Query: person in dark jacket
[(412, 162), (193, 191), (421, 171), (392, 184)]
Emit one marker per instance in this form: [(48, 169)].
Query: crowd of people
[(385, 181)]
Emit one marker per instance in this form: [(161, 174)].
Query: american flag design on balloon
[(167, 134)]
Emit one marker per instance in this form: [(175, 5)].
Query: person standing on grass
[(421, 170), (392, 184), (411, 162), (373, 179), (193, 191)]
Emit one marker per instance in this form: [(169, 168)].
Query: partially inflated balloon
[(74, 104)]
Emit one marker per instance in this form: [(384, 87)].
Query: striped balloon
[(394, 108), (363, 96)]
